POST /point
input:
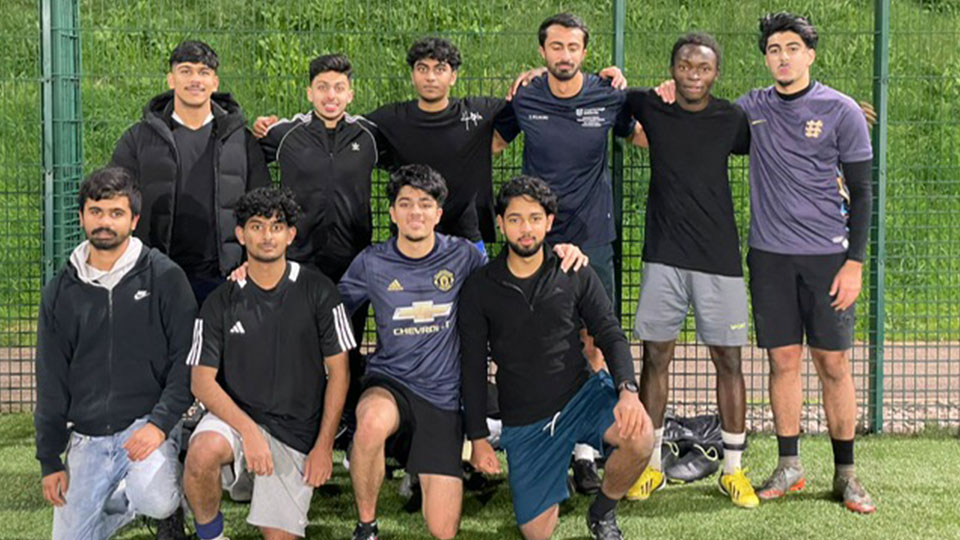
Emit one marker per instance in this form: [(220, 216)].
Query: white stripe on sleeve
[(344, 331), (193, 357)]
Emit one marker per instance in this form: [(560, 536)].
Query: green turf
[(913, 480)]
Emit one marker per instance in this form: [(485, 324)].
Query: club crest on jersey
[(355, 147), (814, 129), (443, 280), (395, 286)]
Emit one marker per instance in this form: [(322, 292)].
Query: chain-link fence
[(906, 369)]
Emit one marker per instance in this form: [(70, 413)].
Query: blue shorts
[(538, 454)]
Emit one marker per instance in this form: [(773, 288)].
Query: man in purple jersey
[(810, 197)]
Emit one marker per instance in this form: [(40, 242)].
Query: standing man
[(269, 361), (113, 334), (691, 253), (528, 312), (326, 158), (566, 116), (810, 197), (412, 385), (193, 159)]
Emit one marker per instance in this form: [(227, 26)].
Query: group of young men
[(271, 354)]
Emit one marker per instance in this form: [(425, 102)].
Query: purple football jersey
[(798, 204)]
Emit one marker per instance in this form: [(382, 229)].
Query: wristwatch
[(629, 386)]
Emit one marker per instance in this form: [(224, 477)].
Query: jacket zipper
[(509, 285), (106, 403)]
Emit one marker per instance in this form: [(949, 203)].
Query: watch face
[(629, 386)]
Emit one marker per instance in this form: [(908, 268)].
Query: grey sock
[(788, 461), (845, 471)]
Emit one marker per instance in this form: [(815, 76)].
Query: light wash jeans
[(106, 490)]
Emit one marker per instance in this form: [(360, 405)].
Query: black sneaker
[(605, 528), (586, 479), (366, 532), (699, 462), (172, 527)]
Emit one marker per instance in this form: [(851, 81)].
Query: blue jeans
[(106, 490)]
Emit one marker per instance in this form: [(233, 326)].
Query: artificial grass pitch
[(915, 482)]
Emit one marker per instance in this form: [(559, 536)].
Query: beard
[(525, 252), (109, 243), (563, 75)]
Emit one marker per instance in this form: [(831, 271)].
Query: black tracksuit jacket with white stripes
[(108, 357), (269, 348), (330, 178)]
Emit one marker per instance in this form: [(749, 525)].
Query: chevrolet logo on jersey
[(422, 312)]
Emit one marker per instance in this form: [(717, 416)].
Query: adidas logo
[(395, 286), (237, 328), (140, 295)]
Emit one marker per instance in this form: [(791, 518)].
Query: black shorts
[(429, 439), (791, 297)]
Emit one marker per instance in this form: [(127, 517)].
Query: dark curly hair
[(773, 23), (434, 48), (109, 183), (195, 52), (696, 38), (330, 62), (267, 202), (527, 186), (421, 177)]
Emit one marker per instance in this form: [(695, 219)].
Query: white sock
[(655, 463), (583, 451), (732, 450)]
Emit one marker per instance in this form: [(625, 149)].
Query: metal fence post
[(617, 156), (881, 81), (62, 137)]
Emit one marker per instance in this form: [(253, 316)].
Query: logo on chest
[(422, 312), (813, 129), (470, 118), (591, 117), (355, 147), (443, 280)]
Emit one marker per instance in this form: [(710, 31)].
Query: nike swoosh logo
[(755, 122)]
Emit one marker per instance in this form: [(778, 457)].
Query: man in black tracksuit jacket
[(528, 313), (326, 158), (114, 330), (194, 158)]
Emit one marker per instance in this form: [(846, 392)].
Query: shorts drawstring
[(552, 424)]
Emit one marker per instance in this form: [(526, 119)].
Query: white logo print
[(237, 328), (140, 295), (355, 147), (468, 117)]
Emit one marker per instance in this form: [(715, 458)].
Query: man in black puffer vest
[(194, 159)]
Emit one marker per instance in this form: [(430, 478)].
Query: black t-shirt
[(194, 243), (455, 142), (269, 347), (690, 222)]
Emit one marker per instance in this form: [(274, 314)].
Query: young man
[(691, 252), (412, 383), (269, 361), (809, 229), (566, 117), (326, 158), (193, 158), (114, 331), (528, 312)]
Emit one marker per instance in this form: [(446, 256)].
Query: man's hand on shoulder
[(262, 124), (571, 257)]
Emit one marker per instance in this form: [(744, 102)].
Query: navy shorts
[(538, 454)]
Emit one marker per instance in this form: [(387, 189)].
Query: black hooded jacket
[(149, 151), (107, 357)]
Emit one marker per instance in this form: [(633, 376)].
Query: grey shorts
[(719, 305), (278, 501)]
